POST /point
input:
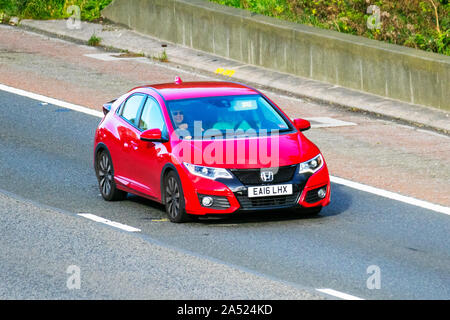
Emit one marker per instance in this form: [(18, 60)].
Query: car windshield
[(226, 117)]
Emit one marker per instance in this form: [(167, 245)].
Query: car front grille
[(253, 176)]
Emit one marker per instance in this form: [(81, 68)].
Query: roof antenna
[(178, 80)]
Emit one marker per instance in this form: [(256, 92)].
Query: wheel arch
[(100, 147), (165, 170)]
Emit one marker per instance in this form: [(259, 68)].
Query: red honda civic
[(204, 148)]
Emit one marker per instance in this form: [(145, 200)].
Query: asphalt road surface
[(362, 244)]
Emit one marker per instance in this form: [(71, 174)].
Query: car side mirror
[(152, 135), (302, 124)]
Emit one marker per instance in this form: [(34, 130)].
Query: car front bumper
[(231, 195)]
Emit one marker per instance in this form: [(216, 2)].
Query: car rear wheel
[(174, 198), (105, 175)]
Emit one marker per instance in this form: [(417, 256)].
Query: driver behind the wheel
[(178, 117)]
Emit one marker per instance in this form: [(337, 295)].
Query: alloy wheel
[(173, 197), (105, 174)]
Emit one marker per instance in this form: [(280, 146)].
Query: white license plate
[(268, 191)]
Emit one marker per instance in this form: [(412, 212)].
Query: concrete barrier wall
[(350, 61)]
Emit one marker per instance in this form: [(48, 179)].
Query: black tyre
[(174, 198), (105, 176)]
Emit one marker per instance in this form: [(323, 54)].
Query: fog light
[(207, 201), (322, 193)]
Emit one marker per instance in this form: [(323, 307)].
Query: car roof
[(190, 90)]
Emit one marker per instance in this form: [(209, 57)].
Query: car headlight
[(312, 165), (207, 172)]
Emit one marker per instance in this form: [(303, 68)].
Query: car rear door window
[(151, 117), (131, 108)]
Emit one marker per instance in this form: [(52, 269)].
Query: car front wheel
[(174, 198)]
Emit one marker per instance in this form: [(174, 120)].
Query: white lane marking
[(53, 101), (338, 294), (392, 195), (327, 122), (113, 57), (348, 183), (102, 56), (109, 222)]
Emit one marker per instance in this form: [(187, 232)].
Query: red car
[(204, 148)]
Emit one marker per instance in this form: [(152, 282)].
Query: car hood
[(246, 153)]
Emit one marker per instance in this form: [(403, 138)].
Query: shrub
[(94, 41), (421, 24), (52, 9)]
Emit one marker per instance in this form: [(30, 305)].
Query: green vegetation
[(162, 57), (421, 24), (52, 9), (94, 41)]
